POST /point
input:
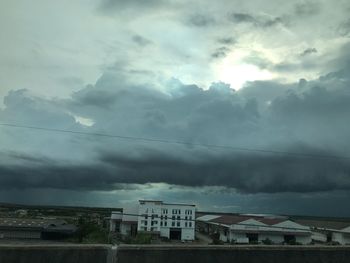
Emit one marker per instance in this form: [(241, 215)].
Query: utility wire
[(151, 140)]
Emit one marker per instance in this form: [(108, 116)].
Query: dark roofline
[(161, 202)]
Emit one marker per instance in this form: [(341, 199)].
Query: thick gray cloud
[(200, 20), (308, 8), (140, 40), (227, 41), (249, 173), (258, 21), (308, 118), (308, 51), (154, 62), (220, 52)]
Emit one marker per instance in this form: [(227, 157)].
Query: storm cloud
[(283, 140), (220, 101)]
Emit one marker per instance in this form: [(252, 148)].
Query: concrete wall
[(227, 254), (54, 254), (172, 254)]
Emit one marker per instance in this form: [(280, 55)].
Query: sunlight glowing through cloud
[(236, 73)]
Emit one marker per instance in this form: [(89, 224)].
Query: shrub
[(267, 241)]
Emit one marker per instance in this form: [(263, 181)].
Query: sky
[(256, 92)]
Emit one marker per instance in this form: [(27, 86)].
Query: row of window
[(166, 217), (187, 224)]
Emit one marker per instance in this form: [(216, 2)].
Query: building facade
[(248, 229), (173, 221), (123, 224)]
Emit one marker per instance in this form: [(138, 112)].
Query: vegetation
[(90, 233), (141, 238), (267, 241)]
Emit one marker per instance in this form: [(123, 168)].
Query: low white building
[(124, 224), (342, 236), (173, 221), (253, 229), (328, 231)]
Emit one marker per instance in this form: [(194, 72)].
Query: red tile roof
[(235, 219)]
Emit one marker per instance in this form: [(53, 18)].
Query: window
[(173, 217), (165, 223), (161, 223), (173, 223), (178, 218), (190, 224), (178, 224), (185, 224), (185, 217)]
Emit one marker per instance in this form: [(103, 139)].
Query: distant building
[(342, 236), (173, 221), (329, 231), (254, 229), (19, 228), (125, 225)]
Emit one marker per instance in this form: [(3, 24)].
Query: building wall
[(305, 240), (276, 239), (161, 217), (343, 239), (125, 229), (187, 234), (165, 232), (238, 237), (319, 237), (20, 234)]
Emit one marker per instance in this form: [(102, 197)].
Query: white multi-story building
[(174, 221)]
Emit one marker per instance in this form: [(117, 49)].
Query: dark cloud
[(249, 173), (310, 119), (258, 21), (344, 28), (111, 6), (200, 20), (308, 51), (140, 40), (227, 41), (307, 8), (220, 52)]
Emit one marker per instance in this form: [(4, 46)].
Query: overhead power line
[(164, 141)]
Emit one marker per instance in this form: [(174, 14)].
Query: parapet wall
[(230, 254), (53, 254), (172, 254)]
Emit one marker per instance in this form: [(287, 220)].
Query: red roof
[(235, 219)]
